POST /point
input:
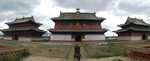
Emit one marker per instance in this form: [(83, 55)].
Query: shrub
[(13, 55)]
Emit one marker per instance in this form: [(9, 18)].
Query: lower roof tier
[(25, 29), (23, 32), (78, 31), (132, 29)]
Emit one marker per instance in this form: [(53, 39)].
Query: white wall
[(60, 37), (6, 38), (93, 37), (148, 37), (24, 39), (134, 38), (29, 39)]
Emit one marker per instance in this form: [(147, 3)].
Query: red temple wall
[(131, 36), (61, 25)]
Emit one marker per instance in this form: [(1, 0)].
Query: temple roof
[(135, 21), (133, 29), (53, 30), (22, 20), (145, 27), (78, 16), (24, 29)]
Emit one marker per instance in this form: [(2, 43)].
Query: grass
[(15, 53), (109, 50), (41, 49), (12, 43), (67, 51)]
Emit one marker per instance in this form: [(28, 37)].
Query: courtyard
[(64, 51)]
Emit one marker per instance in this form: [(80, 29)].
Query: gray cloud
[(86, 4), (10, 9), (135, 7), (18, 6)]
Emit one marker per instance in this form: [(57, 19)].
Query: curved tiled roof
[(53, 30), (78, 16), (133, 29), (22, 20), (135, 21)]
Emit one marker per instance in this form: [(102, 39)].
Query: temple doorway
[(144, 37), (78, 38), (15, 37)]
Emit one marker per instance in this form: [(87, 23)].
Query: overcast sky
[(115, 11)]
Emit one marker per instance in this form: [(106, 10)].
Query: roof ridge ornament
[(77, 10)]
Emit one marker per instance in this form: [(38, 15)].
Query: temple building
[(134, 29), (77, 26), (23, 29)]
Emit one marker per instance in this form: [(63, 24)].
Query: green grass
[(67, 51), (109, 50), (12, 43), (12, 54), (40, 49)]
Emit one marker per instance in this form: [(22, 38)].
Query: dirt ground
[(42, 58)]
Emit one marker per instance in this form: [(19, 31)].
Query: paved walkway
[(107, 59), (42, 58)]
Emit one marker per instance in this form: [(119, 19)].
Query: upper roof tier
[(23, 20), (134, 21), (77, 16)]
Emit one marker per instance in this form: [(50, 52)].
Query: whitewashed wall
[(93, 37), (133, 38), (60, 37), (148, 37), (29, 39), (25, 39), (6, 38), (136, 38)]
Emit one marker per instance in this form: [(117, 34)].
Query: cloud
[(115, 11), (10, 9), (135, 7), (18, 6), (86, 4)]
